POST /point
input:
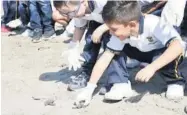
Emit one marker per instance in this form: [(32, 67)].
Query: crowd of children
[(37, 18), (124, 32), (130, 32)]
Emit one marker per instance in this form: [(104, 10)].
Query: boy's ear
[(132, 24)]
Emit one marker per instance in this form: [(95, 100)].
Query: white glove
[(84, 98), (73, 55)]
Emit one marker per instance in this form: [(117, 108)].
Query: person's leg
[(12, 11), (46, 17), (117, 73), (90, 53), (91, 50), (23, 9), (174, 78), (118, 77), (5, 12), (4, 28), (35, 20), (9, 8), (171, 73), (24, 12)]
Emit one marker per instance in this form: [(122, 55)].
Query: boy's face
[(73, 9), (123, 31)]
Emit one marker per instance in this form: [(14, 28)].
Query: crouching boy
[(143, 38)]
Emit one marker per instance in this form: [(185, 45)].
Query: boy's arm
[(101, 66), (80, 27), (174, 50), (114, 46), (97, 34), (84, 98), (169, 38), (73, 54), (57, 17), (78, 34)]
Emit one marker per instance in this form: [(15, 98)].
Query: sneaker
[(20, 29), (26, 33), (119, 91), (132, 63), (78, 82), (66, 34), (5, 29), (36, 35), (175, 91), (49, 34)]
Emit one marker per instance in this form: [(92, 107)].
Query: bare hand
[(57, 17), (96, 36), (145, 74)]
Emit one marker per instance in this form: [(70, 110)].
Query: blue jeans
[(91, 50), (41, 15), (23, 9), (9, 8)]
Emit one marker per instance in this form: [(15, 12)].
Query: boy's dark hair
[(60, 3), (121, 11)]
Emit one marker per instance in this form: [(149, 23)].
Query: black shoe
[(20, 29), (78, 82), (49, 34), (36, 35)]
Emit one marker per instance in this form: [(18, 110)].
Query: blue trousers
[(23, 9), (9, 8), (41, 15)]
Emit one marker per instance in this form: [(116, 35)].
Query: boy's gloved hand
[(73, 55), (84, 97)]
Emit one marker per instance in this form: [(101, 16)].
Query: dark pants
[(41, 15), (91, 50), (116, 69), (24, 12), (170, 72), (10, 11), (184, 23)]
